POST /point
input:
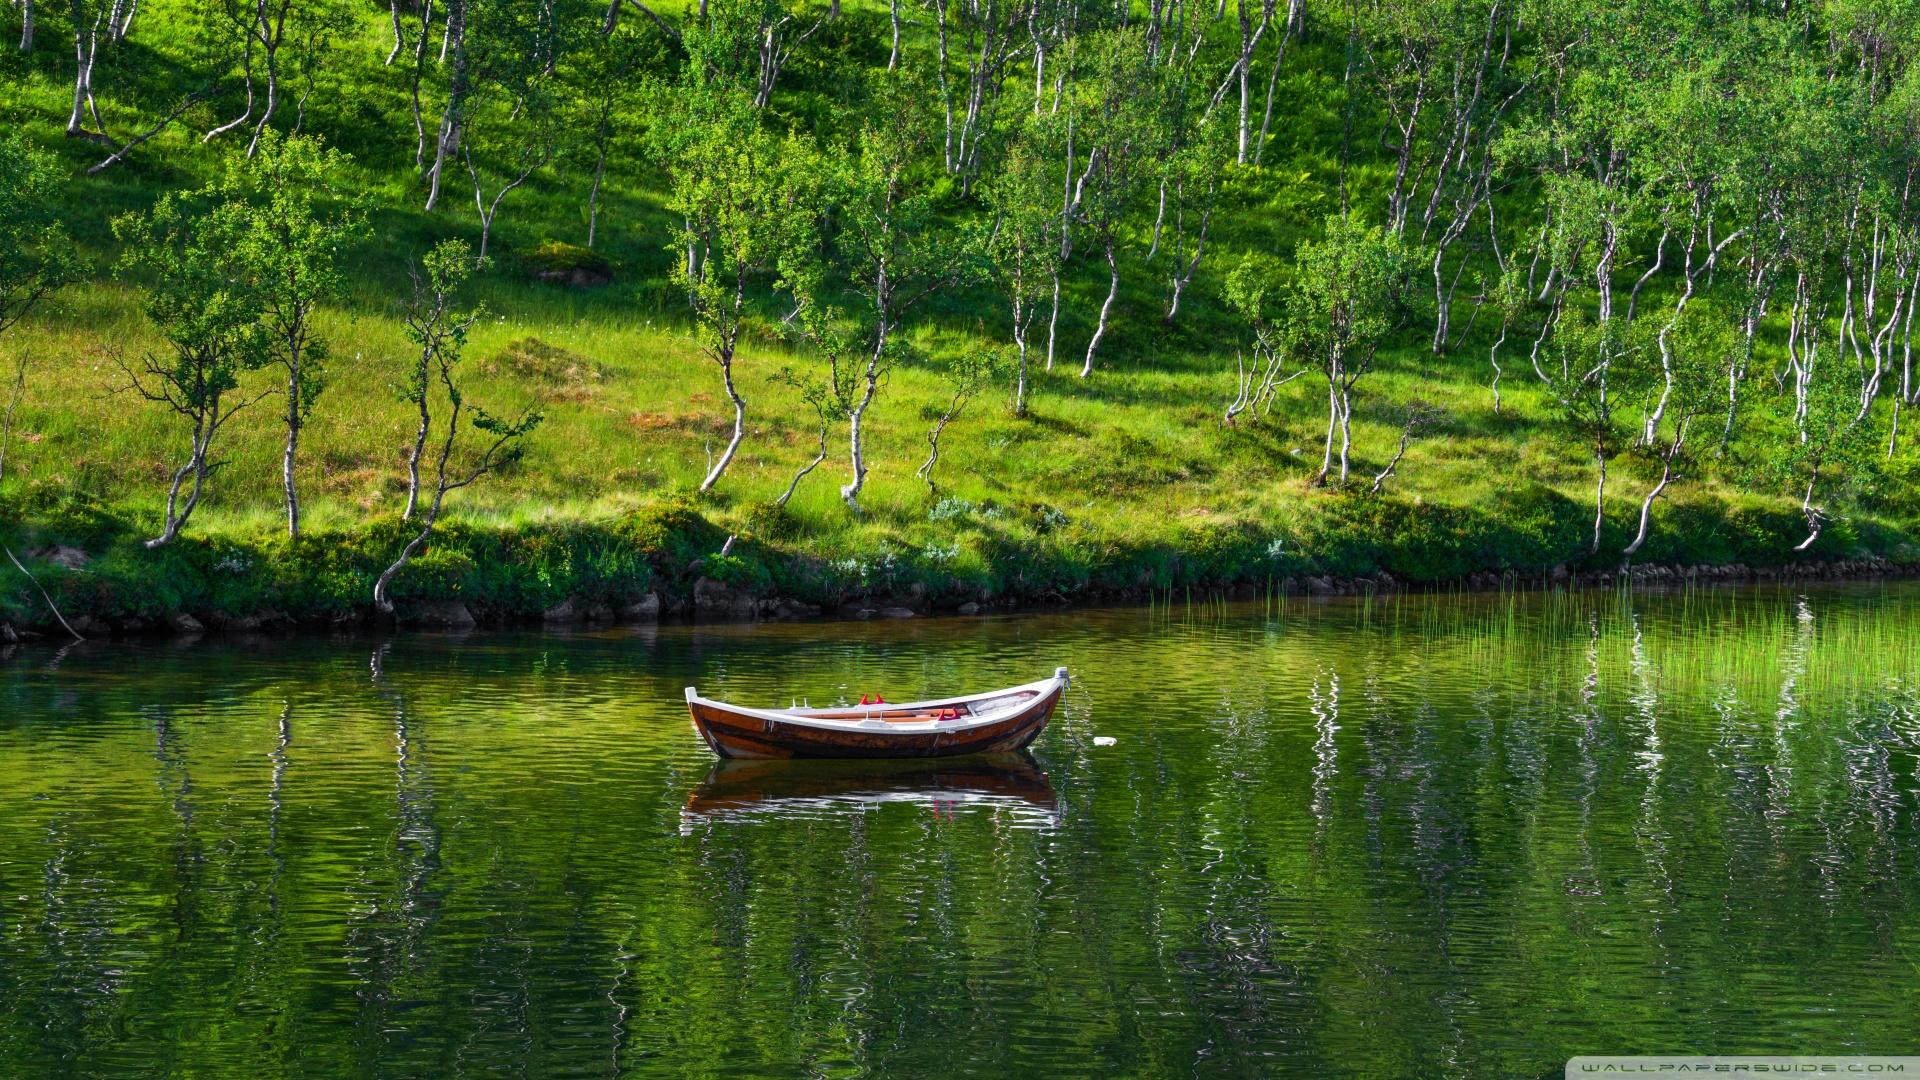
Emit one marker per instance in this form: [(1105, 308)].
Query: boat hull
[(743, 734)]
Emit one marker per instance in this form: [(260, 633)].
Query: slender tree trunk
[(1646, 505), (1406, 436), (196, 466), (1066, 233), (1240, 146), (1812, 512), (399, 37), (1113, 290), (419, 72), (1159, 217), (246, 77), (925, 472), (85, 48), (1493, 357), (294, 421), (1022, 317), (1333, 421), (270, 40), (856, 448), (940, 71), (1599, 501), (1346, 431), (1646, 511), (1273, 80), (893, 58), (456, 28), (725, 360), (811, 465), (380, 598), (419, 441), (1182, 278), (26, 26), (593, 197)]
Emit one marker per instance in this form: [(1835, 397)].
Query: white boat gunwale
[(805, 717)]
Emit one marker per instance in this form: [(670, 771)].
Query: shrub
[(770, 520)]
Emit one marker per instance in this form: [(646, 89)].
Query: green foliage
[(288, 246), (36, 256), (771, 520), (1341, 298)]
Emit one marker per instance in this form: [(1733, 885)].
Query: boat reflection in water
[(1010, 783)]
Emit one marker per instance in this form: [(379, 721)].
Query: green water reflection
[(1412, 837)]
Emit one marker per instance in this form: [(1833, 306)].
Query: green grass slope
[(1127, 480)]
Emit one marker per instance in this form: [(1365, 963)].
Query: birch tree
[(892, 245), (1122, 131), (204, 304), (438, 332), (1339, 306), (289, 242), (456, 463), (36, 256), (1255, 290), (965, 376), (750, 200), (1024, 249), (1696, 350)]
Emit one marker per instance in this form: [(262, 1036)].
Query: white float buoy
[(1104, 740)]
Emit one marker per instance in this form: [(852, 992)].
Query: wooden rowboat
[(987, 723)]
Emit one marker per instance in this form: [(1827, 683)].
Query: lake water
[(1405, 837)]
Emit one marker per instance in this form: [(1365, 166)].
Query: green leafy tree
[(36, 257), (204, 303), (750, 200), (1827, 440), (1341, 302), (438, 331), (455, 466), (1698, 349), (892, 245), (1252, 291), (1024, 248), (1123, 130), (287, 243), (819, 396), (1589, 367)]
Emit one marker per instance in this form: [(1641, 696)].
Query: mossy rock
[(559, 263), (672, 534)]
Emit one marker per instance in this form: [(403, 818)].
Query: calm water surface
[(1414, 837)]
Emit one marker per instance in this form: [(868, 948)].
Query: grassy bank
[(665, 558), (1123, 482), (1127, 480)]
